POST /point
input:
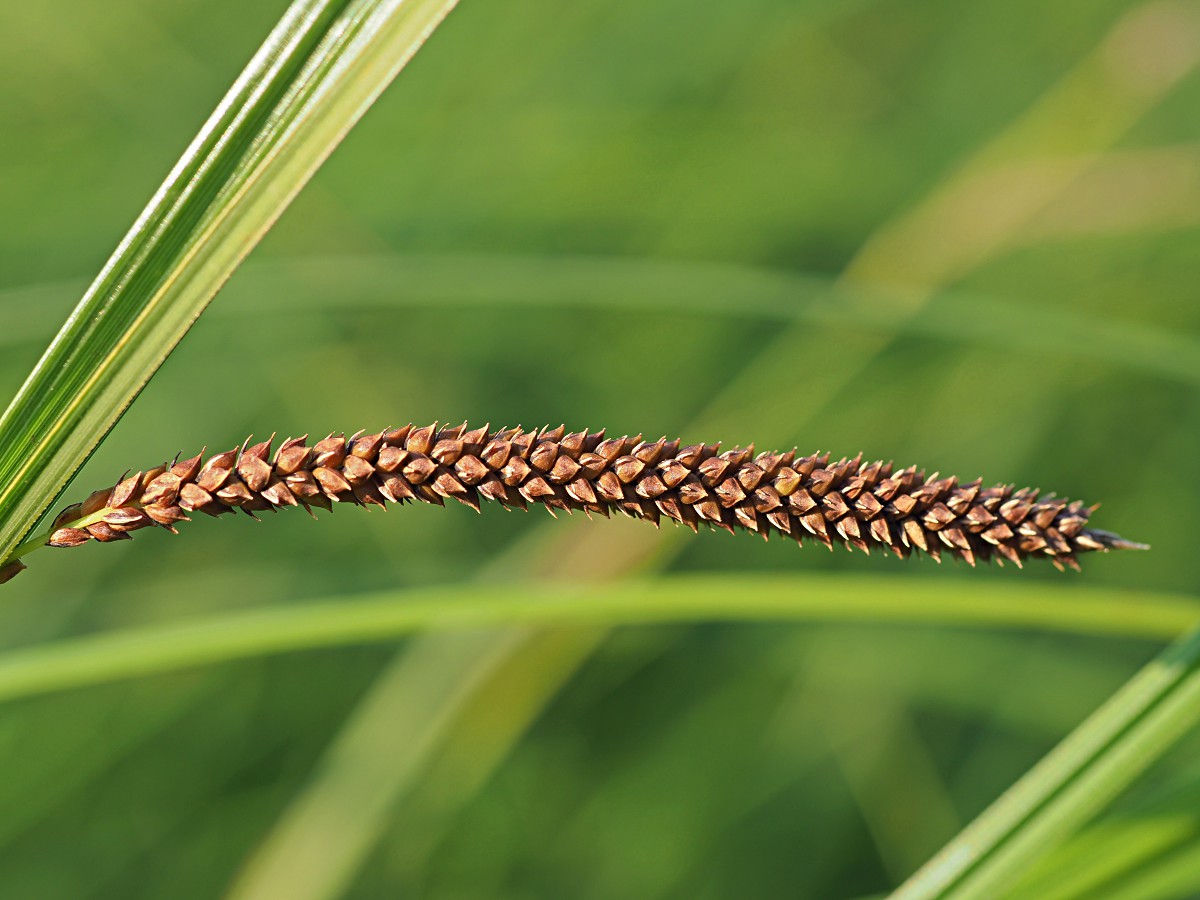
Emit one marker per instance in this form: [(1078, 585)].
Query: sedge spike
[(858, 504)]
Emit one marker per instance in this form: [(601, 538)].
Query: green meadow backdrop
[(965, 236)]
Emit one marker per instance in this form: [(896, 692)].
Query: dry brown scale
[(857, 504)]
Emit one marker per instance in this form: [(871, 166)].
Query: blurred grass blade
[(316, 74), (388, 282), (1074, 782), (95, 659)]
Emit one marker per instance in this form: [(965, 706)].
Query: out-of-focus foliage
[(977, 230)]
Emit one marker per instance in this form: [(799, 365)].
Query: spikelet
[(806, 498), (11, 570)]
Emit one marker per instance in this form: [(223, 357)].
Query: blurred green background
[(961, 235)]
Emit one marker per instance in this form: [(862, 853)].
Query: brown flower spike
[(807, 498)]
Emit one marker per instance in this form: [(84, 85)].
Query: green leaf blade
[(1076, 780), (309, 83)]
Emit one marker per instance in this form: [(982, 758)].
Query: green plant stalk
[(309, 83), (152, 650), (1076, 780), (36, 541)]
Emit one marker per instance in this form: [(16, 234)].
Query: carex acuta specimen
[(867, 505)]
